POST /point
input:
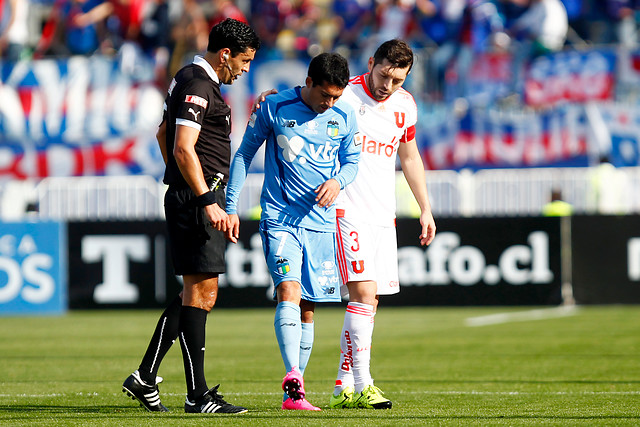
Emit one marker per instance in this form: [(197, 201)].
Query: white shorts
[(367, 252)]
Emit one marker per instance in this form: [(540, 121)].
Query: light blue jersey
[(301, 151)]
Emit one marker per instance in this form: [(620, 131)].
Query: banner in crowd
[(87, 116), (494, 138), (571, 76), (33, 268), (78, 116)]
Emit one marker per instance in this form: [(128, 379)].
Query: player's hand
[(428, 228), (233, 228), (261, 98), (327, 193), (217, 217)]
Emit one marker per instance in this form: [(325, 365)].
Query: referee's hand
[(218, 217)]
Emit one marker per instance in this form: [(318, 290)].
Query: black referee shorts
[(196, 247)]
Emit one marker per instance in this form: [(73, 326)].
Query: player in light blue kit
[(310, 156)]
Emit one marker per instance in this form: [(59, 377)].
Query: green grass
[(582, 369)]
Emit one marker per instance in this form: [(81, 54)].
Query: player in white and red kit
[(367, 246)]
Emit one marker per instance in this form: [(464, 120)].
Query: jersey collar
[(201, 62)]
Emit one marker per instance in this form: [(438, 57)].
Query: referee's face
[(236, 65), (320, 97)]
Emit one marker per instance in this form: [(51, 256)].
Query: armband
[(206, 199)]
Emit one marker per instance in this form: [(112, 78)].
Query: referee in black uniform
[(195, 144)]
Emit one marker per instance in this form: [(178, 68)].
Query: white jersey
[(382, 127)]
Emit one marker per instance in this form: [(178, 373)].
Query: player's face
[(237, 65), (384, 79), (321, 97)]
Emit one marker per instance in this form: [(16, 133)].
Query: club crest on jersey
[(282, 266), (362, 110), (333, 128), (194, 99), (399, 119), (357, 266)]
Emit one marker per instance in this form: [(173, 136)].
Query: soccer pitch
[(439, 366)]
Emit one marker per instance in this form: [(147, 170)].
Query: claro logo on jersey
[(446, 262), (376, 148)]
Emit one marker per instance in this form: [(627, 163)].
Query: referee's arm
[(184, 152), (189, 164)]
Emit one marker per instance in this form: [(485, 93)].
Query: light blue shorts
[(304, 256)]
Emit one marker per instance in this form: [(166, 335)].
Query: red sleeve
[(409, 134)]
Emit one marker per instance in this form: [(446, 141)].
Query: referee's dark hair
[(396, 51), (331, 68), (232, 34)]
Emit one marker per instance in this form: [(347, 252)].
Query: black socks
[(163, 338), (192, 339)]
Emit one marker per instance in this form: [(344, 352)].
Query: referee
[(195, 144)]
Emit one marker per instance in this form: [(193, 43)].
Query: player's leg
[(163, 338), (355, 258), (283, 255), (358, 330), (142, 384), (307, 337), (199, 297), (319, 284), (198, 255), (288, 324), (367, 394)]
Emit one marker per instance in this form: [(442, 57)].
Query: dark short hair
[(331, 68), (233, 34), (396, 51)]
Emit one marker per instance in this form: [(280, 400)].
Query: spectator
[(15, 37), (624, 28), (394, 19), (224, 9), (273, 14), (557, 206), (154, 37), (81, 25), (189, 34), (541, 29), (353, 20)]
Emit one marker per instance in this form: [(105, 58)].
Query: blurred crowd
[(170, 31)]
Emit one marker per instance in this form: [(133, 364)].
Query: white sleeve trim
[(189, 123)]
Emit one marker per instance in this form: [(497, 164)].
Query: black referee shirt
[(194, 100)]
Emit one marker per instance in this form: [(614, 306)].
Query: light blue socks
[(288, 329)]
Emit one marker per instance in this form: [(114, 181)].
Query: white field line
[(416, 392), (522, 316)]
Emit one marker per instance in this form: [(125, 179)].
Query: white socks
[(355, 348)]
